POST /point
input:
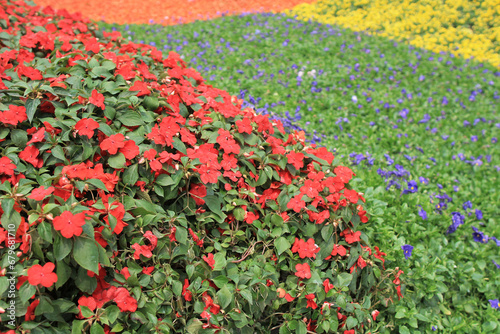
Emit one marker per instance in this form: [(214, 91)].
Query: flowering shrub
[(135, 198)]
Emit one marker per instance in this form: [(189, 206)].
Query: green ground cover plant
[(420, 128), (136, 198)]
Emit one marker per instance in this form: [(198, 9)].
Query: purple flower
[(434, 328), (473, 138), (493, 303), (467, 205), (495, 240), (423, 180), (479, 236), (407, 249), (496, 264), (457, 219), (412, 187), (422, 213), (479, 214)]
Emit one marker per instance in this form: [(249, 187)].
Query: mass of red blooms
[(111, 179)]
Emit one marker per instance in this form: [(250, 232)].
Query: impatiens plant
[(135, 198)]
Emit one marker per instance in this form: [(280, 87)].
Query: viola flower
[(479, 214), (97, 99), (40, 193), (86, 127), (68, 224), (407, 249), (303, 270), (113, 143), (479, 236), (422, 213), (412, 187), (494, 303), (210, 260), (6, 166), (42, 275)]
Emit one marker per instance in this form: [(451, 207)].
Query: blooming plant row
[(137, 198), (167, 12), (420, 128), (464, 27)]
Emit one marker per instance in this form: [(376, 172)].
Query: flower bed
[(137, 198)]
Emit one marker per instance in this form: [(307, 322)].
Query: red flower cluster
[(305, 249)]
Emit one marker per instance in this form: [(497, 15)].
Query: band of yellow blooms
[(461, 27)]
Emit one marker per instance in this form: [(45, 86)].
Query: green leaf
[(131, 118), (26, 291), (45, 231), (97, 183), (220, 281), (177, 288), (77, 326), (247, 295), (220, 261), (131, 175), (301, 328), (96, 329), (86, 254), (344, 279), (225, 296), (117, 161), (31, 106), (113, 312), (62, 246), (58, 152), (181, 234), (214, 204), (281, 244), (239, 214)]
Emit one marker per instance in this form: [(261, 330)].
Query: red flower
[(30, 154), (69, 224), (375, 314), (305, 249), (130, 150), (310, 188), (42, 275), (296, 203), (125, 273), (352, 237), (227, 142), (310, 301), (195, 237), (208, 174), (289, 298), (86, 127), (250, 217), (322, 153), (141, 87), (124, 301), (153, 240), (36, 137), (210, 260), (172, 234), (328, 286), (144, 250), (148, 270), (351, 195), (188, 296), (113, 143), (97, 99), (379, 254), (89, 302), (30, 311), (296, 159), (303, 270), (351, 331), (40, 193), (244, 125), (361, 262), (6, 166), (197, 191), (344, 173)]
